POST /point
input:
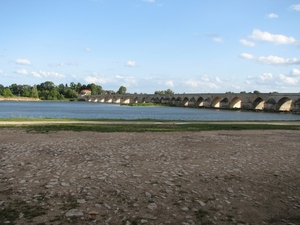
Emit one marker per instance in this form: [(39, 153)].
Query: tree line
[(49, 91)]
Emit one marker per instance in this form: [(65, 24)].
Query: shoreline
[(25, 99)]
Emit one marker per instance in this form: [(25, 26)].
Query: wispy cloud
[(204, 82), (170, 83), (22, 71), (1, 71), (87, 49), (23, 62), (56, 64), (276, 39), (215, 37), (272, 16), (272, 60), (247, 43), (131, 63), (275, 60), (41, 74), (96, 79), (246, 56), (292, 78), (72, 63), (295, 7)]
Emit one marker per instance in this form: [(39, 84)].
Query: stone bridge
[(248, 101)]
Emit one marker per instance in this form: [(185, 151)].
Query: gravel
[(213, 177)]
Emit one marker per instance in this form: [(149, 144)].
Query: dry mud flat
[(215, 177)]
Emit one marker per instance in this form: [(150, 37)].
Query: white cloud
[(150, 1), (246, 56), (131, 63), (87, 49), (1, 71), (275, 60), (56, 64), (23, 61), (272, 60), (96, 80), (272, 16), (247, 43), (265, 77), (236, 87), (35, 74), (217, 39), (45, 74), (219, 80), (22, 71), (295, 7), (72, 63), (288, 79), (205, 78), (170, 83), (126, 81), (204, 82), (276, 39), (295, 72)]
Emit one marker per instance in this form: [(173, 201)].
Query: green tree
[(166, 92), (122, 90), (26, 91), (34, 92), (1, 89), (7, 93), (95, 89)]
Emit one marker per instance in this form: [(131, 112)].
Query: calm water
[(115, 111)]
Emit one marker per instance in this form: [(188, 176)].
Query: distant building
[(85, 92)]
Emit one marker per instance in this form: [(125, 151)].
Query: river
[(89, 110)]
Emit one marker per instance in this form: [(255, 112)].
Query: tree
[(48, 85), (1, 89), (34, 92), (26, 91), (166, 92), (122, 90), (95, 89), (7, 93)]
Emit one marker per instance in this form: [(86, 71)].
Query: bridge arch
[(136, 100), (199, 102), (235, 103), (270, 104), (224, 103), (284, 104), (216, 102), (258, 104), (192, 102), (185, 101), (125, 100)]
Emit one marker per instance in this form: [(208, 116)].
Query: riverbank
[(213, 177), (19, 99)]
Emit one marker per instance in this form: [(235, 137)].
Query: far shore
[(19, 99)]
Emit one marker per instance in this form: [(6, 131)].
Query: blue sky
[(189, 46)]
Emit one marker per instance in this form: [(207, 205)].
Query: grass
[(152, 127), (147, 125), (12, 210)]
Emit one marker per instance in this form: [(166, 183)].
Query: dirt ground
[(213, 177)]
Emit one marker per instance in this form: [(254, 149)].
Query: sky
[(188, 46)]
